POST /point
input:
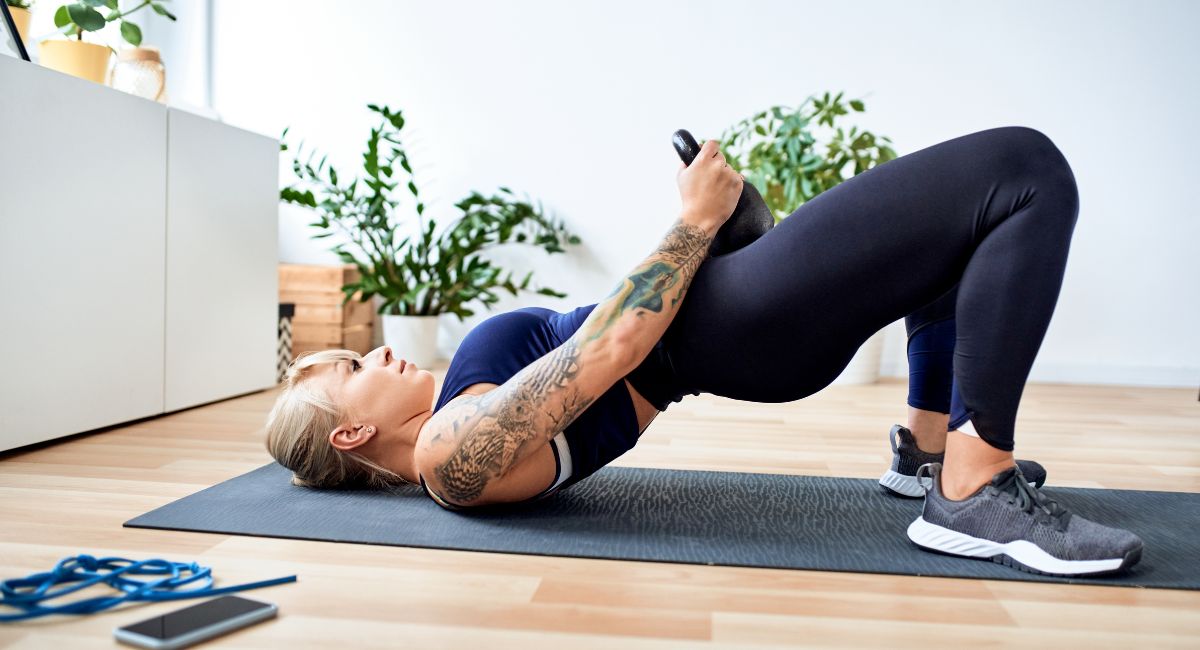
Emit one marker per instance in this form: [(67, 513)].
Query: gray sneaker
[(1011, 522), (901, 479)]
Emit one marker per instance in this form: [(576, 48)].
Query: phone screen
[(195, 617)]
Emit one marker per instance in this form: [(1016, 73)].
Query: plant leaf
[(131, 33), (161, 10), (87, 18)]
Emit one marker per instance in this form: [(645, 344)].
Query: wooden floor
[(71, 496)]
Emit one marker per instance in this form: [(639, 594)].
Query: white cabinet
[(222, 260), (138, 256)]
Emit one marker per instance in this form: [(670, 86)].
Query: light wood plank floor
[(71, 496)]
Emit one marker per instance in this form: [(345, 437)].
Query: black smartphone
[(190, 625)]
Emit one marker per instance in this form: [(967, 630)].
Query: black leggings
[(975, 229)]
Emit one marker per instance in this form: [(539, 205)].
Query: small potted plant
[(794, 154), (20, 14), (76, 57), (421, 275)]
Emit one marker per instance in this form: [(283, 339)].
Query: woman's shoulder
[(437, 440), (445, 415)]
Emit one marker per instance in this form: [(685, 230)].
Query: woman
[(973, 232)]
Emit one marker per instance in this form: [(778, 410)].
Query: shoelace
[(1029, 497), (29, 592), (1026, 496)]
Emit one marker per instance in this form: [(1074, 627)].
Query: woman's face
[(380, 390)]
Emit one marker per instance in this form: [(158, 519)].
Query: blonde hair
[(298, 432)]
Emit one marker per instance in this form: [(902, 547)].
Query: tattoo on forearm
[(507, 419), (681, 253)]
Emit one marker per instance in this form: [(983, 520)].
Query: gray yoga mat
[(685, 516)]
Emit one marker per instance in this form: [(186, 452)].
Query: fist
[(709, 188)]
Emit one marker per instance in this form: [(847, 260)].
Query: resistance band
[(28, 593)]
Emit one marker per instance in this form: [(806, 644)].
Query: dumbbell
[(751, 217)]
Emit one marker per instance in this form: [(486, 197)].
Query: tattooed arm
[(480, 438)]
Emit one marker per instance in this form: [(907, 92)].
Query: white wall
[(575, 103)]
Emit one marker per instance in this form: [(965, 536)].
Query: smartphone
[(190, 625)]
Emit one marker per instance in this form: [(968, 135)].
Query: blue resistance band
[(87, 571)]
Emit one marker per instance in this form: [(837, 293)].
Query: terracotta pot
[(21, 18), (77, 58)]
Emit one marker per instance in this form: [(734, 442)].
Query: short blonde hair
[(298, 432)]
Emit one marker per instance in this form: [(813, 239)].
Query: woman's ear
[(347, 438)]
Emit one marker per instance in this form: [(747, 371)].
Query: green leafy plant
[(19, 4), (794, 154), (425, 275), (78, 17)]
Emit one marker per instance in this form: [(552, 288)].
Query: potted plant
[(90, 60), (20, 14), (420, 276), (794, 154)]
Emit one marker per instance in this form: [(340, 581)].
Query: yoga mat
[(684, 516)]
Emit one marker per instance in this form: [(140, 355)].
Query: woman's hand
[(709, 188)]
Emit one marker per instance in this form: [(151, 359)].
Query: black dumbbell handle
[(685, 146), (751, 217)]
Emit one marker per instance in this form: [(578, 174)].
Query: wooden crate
[(320, 321)]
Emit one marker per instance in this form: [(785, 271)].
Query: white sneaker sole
[(1024, 553), (905, 485)]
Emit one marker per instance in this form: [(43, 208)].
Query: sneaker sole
[(904, 485), (1018, 554)]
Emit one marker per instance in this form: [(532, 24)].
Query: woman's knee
[(1030, 157)]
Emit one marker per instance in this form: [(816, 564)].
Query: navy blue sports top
[(505, 344)]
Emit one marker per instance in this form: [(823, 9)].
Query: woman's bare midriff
[(537, 471)]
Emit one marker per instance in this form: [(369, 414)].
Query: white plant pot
[(412, 338), (864, 367)]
